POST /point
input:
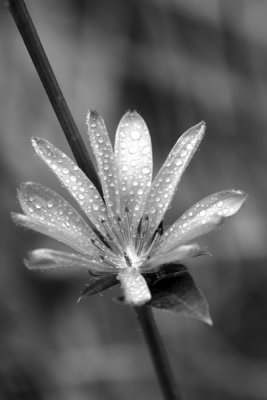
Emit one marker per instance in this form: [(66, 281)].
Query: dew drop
[(81, 196), (146, 170), (220, 203), (153, 210), (50, 204), (146, 150), (168, 179), (73, 178), (95, 207), (132, 150), (178, 162), (135, 135), (65, 171), (38, 206), (124, 168), (183, 153)]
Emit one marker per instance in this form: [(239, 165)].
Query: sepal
[(174, 289), (96, 285)]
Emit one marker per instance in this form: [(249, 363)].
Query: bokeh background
[(177, 62)]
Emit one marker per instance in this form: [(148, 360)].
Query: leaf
[(96, 285), (174, 290)]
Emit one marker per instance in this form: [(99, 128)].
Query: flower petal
[(168, 177), (47, 259), (134, 287), (181, 253), (104, 154), (133, 155), (202, 218), (50, 214), (76, 182)]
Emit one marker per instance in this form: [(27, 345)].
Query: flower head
[(121, 234)]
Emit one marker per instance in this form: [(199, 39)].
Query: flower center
[(124, 247)]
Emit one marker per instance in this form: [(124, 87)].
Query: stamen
[(114, 244), (155, 238), (122, 231), (127, 259), (101, 237), (143, 235), (129, 227), (107, 261), (98, 245)]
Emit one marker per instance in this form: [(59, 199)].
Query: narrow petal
[(76, 182), (47, 259), (104, 154), (48, 213), (202, 218), (134, 287), (134, 162), (168, 177), (181, 253)]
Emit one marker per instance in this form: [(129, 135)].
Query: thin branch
[(158, 353), (39, 58)]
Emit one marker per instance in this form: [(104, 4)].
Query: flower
[(122, 234)]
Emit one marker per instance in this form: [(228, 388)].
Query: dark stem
[(30, 37), (39, 58), (158, 353)]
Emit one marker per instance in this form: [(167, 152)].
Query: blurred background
[(176, 62)]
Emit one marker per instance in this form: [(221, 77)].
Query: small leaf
[(177, 292), (96, 285)]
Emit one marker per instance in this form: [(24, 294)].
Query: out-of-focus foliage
[(176, 62)]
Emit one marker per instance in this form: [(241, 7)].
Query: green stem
[(32, 42), (158, 353), (39, 58)]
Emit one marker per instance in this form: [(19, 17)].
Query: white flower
[(121, 234)]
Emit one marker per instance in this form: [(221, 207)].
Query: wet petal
[(168, 177), (48, 213), (134, 161), (202, 218), (134, 287), (104, 154), (47, 259), (181, 253), (72, 177)]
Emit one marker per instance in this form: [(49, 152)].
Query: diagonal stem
[(158, 353), (39, 58), (34, 46)]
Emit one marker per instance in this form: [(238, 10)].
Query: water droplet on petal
[(65, 171), (95, 207), (146, 170), (50, 204), (146, 150), (124, 168), (135, 135), (178, 162)]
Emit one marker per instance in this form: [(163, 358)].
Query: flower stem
[(39, 58), (34, 46), (158, 353)]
